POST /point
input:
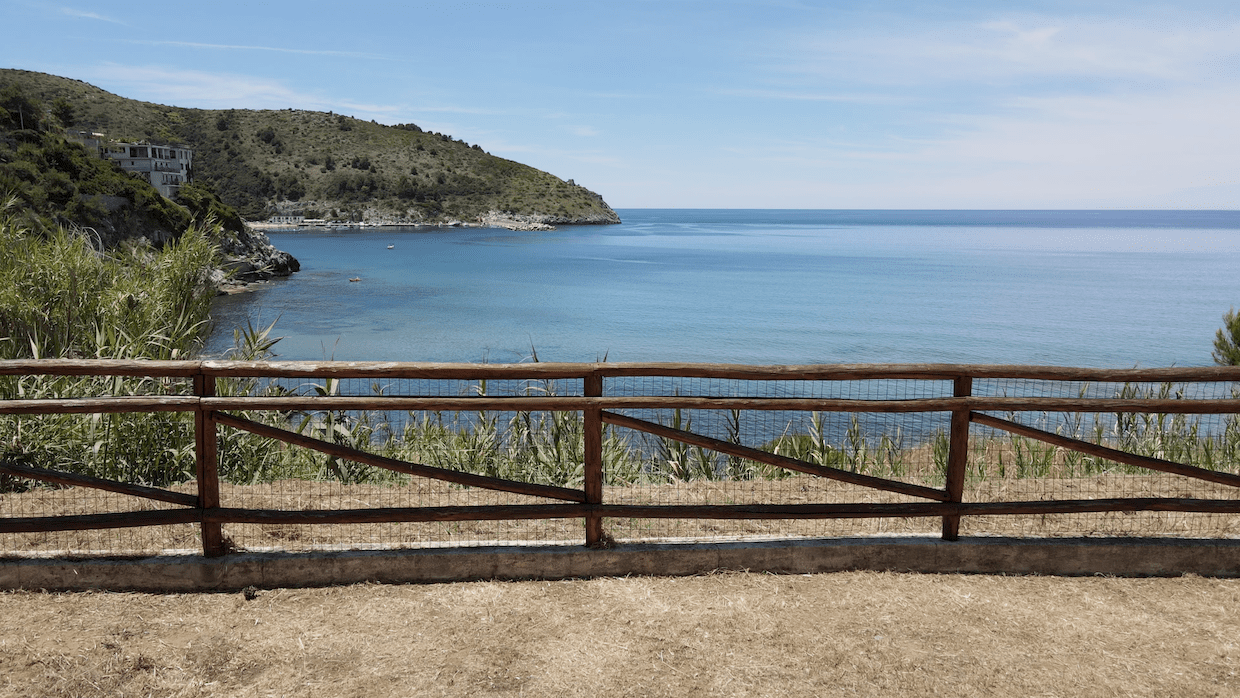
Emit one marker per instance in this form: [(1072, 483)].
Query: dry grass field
[(296, 495), (733, 634), (725, 634)]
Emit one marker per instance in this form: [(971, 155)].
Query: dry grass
[(735, 634), (303, 494)]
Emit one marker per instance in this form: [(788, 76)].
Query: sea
[(1066, 288)]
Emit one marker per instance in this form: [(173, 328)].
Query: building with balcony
[(166, 167)]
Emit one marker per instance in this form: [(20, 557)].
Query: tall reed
[(61, 296)]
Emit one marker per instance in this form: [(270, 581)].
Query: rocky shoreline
[(249, 258), (542, 221), (491, 219)]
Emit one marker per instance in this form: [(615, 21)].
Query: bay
[(1071, 288)]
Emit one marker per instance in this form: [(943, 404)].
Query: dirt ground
[(293, 495), (733, 634)]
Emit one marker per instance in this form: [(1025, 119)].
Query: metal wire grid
[(896, 446), (481, 442), (918, 440), (876, 389), (1005, 467), (72, 501), (422, 387), (139, 448)]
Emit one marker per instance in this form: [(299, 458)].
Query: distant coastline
[(493, 219)]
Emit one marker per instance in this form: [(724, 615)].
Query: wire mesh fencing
[(370, 456)]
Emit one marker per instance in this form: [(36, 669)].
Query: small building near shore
[(287, 220), (166, 167), (88, 139)]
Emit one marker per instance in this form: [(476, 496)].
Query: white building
[(165, 167)]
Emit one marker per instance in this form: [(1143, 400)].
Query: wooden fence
[(212, 413)]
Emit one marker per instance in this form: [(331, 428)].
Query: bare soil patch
[(734, 634)]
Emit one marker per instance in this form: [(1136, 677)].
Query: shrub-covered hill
[(323, 164), (49, 185)]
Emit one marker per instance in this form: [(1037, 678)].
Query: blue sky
[(720, 104)]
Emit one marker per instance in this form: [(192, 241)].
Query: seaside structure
[(165, 167), (88, 139)]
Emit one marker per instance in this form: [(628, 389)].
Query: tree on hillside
[(64, 112), (1227, 340), (17, 111)]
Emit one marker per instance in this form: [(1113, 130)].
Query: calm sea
[(1073, 288)]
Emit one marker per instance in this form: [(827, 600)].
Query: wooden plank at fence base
[(778, 461), (90, 522), (621, 511), (510, 512), (353, 454), (98, 483), (1124, 457), (913, 509)]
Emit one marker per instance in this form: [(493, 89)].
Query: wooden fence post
[(207, 467), (593, 428), (957, 456)]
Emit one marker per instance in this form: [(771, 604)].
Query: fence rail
[(652, 411)]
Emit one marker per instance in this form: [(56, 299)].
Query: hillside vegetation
[(264, 162)]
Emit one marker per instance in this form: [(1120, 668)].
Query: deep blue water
[(1074, 288)]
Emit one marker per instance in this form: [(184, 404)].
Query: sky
[(725, 103)]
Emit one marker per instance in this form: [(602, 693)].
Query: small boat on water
[(356, 278), (391, 246)]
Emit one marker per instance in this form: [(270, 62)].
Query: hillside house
[(165, 167)]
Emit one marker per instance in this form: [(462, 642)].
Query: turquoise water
[(1079, 288)]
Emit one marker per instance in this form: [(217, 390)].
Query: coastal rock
[(249, 257), (495, 219), (543, 221)]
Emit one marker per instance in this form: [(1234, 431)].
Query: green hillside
[(317, 164)]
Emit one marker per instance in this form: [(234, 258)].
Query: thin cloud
[(190, 88), (274, 49), (459, 110), (813, 96), (1000, 51), (615, 95), (82, 14)]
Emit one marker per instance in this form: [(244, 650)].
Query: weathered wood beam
[(359, 456), (1124, 457), (99, 367), (375, 369), (778, 461), (398, 515), (98, 483), (100, 405), (90, 522)]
